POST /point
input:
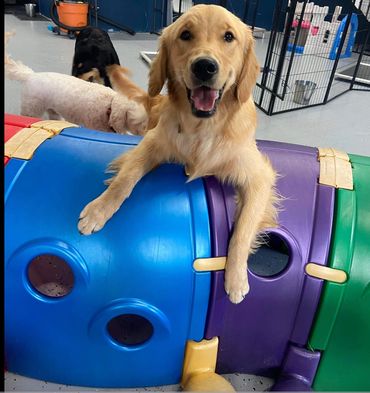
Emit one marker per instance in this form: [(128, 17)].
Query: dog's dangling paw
[(236, 284)]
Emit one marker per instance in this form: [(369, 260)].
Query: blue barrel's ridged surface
[(139, 263)]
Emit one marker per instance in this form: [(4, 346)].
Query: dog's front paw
[(93, 217), (236, 284)]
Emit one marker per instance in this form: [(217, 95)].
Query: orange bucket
[(73, 14)]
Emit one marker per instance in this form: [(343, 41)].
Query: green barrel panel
[(342, 326)]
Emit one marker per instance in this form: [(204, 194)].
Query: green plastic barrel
[(342, 327)]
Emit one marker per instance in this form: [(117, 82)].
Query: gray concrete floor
[(17, 383), (343, 124)]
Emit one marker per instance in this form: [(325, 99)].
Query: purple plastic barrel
[(254, 336)]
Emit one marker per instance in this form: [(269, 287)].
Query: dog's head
[(206, 54), (93, 52)]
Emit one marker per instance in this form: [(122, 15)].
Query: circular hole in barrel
[(130, 329), (271, 258), (50, 275)]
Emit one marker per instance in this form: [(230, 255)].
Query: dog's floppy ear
[(249, 73), (158, 69)]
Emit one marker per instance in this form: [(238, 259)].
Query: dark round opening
[(271, 258), (50, 276), (130, 329)]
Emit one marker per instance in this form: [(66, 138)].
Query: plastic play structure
[(142, 302), (318, 35)]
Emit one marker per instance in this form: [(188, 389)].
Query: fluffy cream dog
[(208, 123), (75, 100)]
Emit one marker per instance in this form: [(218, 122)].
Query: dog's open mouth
[(204, 100)]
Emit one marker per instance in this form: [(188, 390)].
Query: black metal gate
[(314, 54)]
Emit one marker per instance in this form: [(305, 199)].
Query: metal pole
[(284, 46), (266, 67), (180, 7), (255, 14), (96, 13), (340, 47), (246, 10), (360, 58), (293, 50)]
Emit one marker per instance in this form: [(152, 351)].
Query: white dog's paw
[(93, 217), (236, 284)]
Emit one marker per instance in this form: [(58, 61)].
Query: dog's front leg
[(255, 212), (130, 168)]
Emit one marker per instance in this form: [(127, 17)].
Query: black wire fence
[(314, 54)]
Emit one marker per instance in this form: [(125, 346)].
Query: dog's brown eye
[(228, 37), (185, 35)]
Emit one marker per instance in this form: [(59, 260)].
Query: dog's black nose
[(204, 68)]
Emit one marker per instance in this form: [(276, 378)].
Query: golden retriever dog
[(207, 123)]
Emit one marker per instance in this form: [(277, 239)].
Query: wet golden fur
[(222, 145)]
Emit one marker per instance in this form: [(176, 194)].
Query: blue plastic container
[(115, 308)]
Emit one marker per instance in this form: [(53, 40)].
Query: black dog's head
[(93, 52)]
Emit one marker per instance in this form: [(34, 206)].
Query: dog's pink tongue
[(204, 98)]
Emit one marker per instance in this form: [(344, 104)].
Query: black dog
[(93, 52)]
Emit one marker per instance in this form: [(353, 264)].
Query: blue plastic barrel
[(116, 308)]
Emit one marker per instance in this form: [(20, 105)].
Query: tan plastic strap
[(335, 168), (26, 150), (55, 126), (25, 142), (209, 264), (16, 141), (326, 273)]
